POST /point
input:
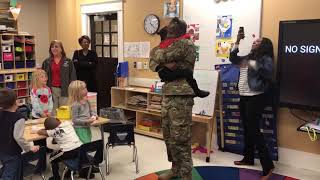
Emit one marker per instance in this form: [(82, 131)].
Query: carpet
[(220, 173)]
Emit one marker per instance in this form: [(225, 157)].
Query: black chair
[(85, 160), (122, 135), (29, 168)]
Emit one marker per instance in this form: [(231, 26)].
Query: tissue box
[(64, 113)]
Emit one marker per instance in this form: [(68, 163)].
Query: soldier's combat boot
[(167, 176), (198, 92)]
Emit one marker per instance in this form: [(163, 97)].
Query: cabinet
[(17, 63), (139, 109)]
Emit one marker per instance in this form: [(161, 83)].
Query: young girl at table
[(41, 96), (82, 115)]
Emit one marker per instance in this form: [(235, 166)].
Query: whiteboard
[(246, 13), (205, 106)]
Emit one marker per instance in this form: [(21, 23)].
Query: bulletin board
[(202, 17)]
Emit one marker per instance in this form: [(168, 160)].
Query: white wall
[(33, 19)]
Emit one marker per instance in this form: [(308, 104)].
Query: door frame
[(113, 6)]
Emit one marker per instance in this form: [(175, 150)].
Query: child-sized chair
[(85, 160), (122, 135)]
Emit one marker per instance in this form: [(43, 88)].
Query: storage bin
[(22, 101), (20, 64), (6, 48), (28, 49), (11, 85), (8, 77), (1, 78), (30, 63), (20, 77), (21, 84), (7, 56), (8, 65), (22, 92), (64, 113)]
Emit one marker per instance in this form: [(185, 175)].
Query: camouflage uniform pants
[(176, 124)]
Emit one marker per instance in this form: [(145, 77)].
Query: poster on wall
[(223, 48), (224, 27), (171, 8), (193, 30), (136, 49)]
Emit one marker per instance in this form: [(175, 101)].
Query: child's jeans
[(12, 167)]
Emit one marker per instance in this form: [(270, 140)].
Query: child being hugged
[(41, 96), (82, 115)]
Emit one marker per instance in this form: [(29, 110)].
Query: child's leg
[(12, 167), (193, 84), (166, 74), (57, 157), (39, 156)]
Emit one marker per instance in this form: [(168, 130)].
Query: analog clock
[(151, 23)]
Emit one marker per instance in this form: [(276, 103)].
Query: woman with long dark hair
[(256, 71)]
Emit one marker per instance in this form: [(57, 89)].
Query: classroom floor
[(152, 158)]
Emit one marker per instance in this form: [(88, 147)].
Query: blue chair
[(85, 160)]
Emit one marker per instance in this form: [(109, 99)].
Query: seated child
[(12, 141), (176, 31), (82, 115), (63, 133)]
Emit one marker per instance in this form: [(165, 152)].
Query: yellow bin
[(64, 113)]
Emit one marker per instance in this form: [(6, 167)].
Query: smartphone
[(241, 29)]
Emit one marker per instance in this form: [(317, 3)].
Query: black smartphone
[(241, 29)]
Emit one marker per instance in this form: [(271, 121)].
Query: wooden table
[(29, 136)]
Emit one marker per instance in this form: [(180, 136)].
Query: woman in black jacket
[(256, 71), (85, 62)]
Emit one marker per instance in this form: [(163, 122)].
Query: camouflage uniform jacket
[(182, 52)]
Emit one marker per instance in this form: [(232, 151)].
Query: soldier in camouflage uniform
[(177, 100)]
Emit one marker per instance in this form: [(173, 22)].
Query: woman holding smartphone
[(256, 71)]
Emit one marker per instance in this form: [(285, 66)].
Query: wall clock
[(151, 23)]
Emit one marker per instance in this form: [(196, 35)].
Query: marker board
[(204, 13)]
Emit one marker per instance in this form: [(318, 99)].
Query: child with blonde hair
[(82, 115), (41, 96)]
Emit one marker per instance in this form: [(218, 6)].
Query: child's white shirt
[(65, 136)]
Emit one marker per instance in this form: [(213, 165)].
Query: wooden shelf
[(14, 71), (137, 110), (147, 133)]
